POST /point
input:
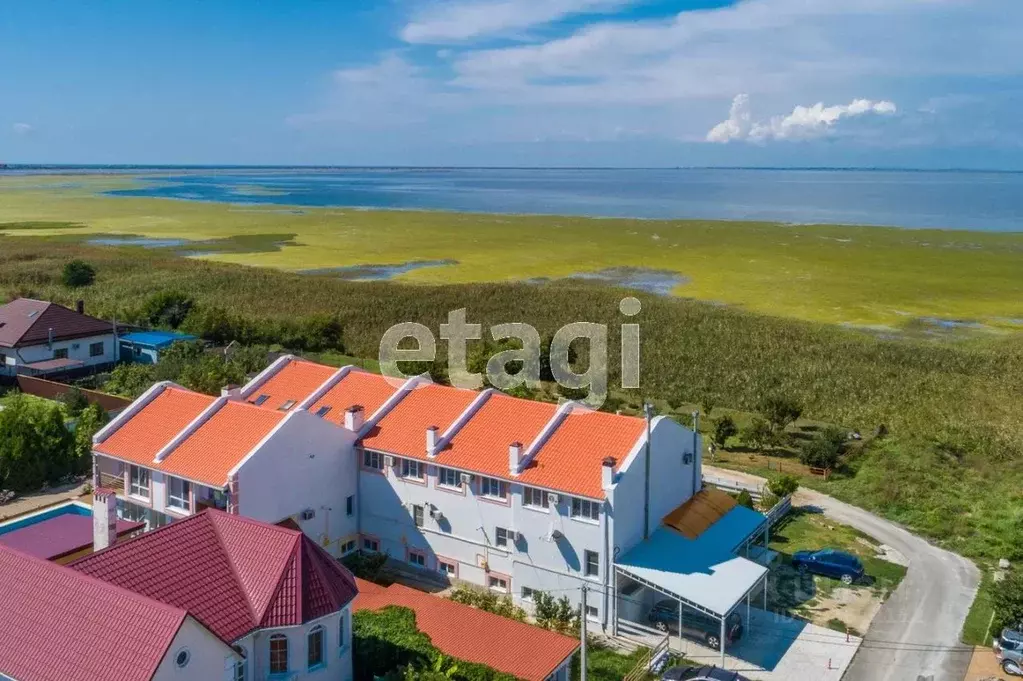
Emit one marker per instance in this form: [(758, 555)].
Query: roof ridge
[(234, 568)]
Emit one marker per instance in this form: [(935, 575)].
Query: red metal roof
[(463, 632), (295, 381), (58, 624), (29, 322), (231, 573), (59, 536), (402, 430)]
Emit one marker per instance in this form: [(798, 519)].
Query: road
[(916, 632)]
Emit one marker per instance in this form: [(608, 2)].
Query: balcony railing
[(112, 482)]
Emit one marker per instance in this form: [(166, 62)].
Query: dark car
[(830, 563), (695, 625), (1009, 651), (705, 673)]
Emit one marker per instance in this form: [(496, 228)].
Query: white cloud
[(453, 22), (22, 128), (805, 122)]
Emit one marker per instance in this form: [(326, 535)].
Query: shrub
[(824, 450), (36, 447), (724, 428), (1008, 601), (130, 380), (78, 273), (783, 485), (166, 309), (365, 565), (744, 498), (90, 420), (758, 434), (555, 614), (74, 401), (485, 599)]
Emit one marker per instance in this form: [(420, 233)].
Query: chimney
[(607, 472), (49, 336), (104, 519), (80, 306), (231, 392), (431, 440), (515, 458), (354, 418)]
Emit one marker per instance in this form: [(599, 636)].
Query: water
[(378, 272), (956, 200)]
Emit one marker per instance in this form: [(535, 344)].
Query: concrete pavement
[(916, 633)]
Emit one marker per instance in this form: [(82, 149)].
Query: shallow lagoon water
[(378, 272)]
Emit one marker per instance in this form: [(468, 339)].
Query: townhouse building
[(514, 495)]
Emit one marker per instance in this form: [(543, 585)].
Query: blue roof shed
[(156, 340)]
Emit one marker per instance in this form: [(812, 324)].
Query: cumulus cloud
[(22, 128), (805, 122)]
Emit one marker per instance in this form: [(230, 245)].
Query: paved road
[(916, 632)]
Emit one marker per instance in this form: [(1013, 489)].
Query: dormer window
[(260, 400), (287, 405)]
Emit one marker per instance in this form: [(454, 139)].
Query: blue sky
[(920, 83)]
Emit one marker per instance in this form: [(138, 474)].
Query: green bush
[(781, 410), (74, 401), (166, 309), (555, 614), (90, 420), (36, 448), (488, 600), (130, 380), (758, 434), (365, 565), (824, 450), (783, 485), (1007, 598), (744, 498), (78, 273), (724, 428)]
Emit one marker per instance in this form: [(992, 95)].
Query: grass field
[(913, 280)]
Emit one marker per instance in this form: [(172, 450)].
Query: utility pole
[(582, 635), (648, 413)]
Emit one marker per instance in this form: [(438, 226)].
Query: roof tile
[(402, 430), (358, 387), (294, 382), (147, 432)]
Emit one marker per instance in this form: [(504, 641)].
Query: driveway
[(916, 632)]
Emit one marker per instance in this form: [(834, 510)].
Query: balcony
[(112, 482)]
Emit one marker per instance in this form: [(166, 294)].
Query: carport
[(702, 572)]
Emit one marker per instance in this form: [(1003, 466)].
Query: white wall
[(337, 658), (306, 463), (209, 657), (78, 349)]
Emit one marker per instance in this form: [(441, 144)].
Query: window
[(182, 657), (497, 583), (241, 666), (591, 612), (449, 477), (139, 486), (417, 558), (350, 505), (60, 353), (501, 537), (587, 510), (322, 411), (592, 563), (417, 515), (492, 487), (177, 493), (447, 567), (260, 400), (534, 498), (278, 654), (315, 647), (288, 404), (371, 459), (347, 547), (411, 468), (369, 544), (527, 593), (3, 359), (342, 640), (95, 349)]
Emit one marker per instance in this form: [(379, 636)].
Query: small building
[(61, 533), (145, 347), (39, 338)]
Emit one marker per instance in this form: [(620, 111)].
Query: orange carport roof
[(209, 454), (294, 382), (358, 387), (402, 430), (155, 425)]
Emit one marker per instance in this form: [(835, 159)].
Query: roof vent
[(431, 440)]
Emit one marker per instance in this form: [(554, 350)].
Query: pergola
[(704, 573)]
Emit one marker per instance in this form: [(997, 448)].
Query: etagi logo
[(458, 332)]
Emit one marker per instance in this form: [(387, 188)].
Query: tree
[(780, 411), (78, 273), (758, 434), (783, 485), (35, 445), (708, 403), (724, 428), (167, 309), (744, 498), (210, 373), (824, 450), (130, 380), (1007, 600), (74, 401), (91, 419)]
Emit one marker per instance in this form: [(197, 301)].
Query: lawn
[(910, 280), (977, 627)]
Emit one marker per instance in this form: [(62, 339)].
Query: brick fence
[(51, 390)]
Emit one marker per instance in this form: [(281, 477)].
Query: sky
[(647, 83)]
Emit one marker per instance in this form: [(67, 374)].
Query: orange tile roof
[(402, 430), (482, 443), (295, 381), (358, 387), (156, 424), (570, 459), (209, 454), (465, 633)]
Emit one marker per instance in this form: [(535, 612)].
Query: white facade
[(79, 349), (336, 641), (195, 653)]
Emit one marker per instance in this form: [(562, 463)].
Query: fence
[(51, 390), (779, 510), (734, 486)]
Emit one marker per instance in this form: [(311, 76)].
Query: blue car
[(830, 563)]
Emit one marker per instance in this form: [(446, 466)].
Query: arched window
[(278, 654), (316, 640), (241, 665)]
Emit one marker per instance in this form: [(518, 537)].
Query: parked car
[(695, 625), (830, 563), (1009, 651), (705, 673)]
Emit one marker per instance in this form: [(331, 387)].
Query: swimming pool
[(66, 508)]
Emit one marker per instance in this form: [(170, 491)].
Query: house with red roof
[(39, 338), (513, 495)]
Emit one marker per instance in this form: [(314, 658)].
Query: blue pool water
[(70, 508)]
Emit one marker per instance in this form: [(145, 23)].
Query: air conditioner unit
[(308, 514), (553, 498), (466, 478), (389, 461)]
